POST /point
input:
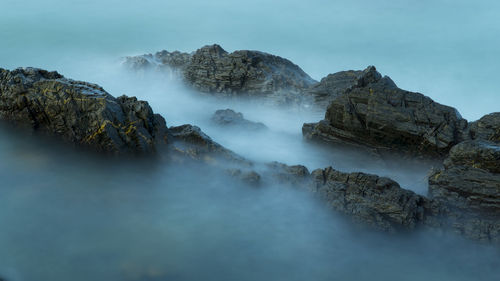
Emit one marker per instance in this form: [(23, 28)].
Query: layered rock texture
[(79, 112), (232, 119), (376, 113), (467, 190), (244, 73)]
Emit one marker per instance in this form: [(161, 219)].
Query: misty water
[(68, 215)]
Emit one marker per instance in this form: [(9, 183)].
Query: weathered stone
[(377, 201), (247, 176), (486, 128), (79, 112), (230, 118), (296, 175), (380, 115), (466, 192), (172, 61), (190, 141), (337, 84)]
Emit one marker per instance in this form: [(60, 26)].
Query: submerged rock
[(377, 201), (163, 61), (380, 115), (190, 141), (230, 118), (466, 192), (79, 112)]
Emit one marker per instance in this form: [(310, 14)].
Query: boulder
[(79, 112), (233, 119), (369, 199), (466, 192), (379, 114), (296, 175)]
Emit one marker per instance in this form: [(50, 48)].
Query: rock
[(213, 70), (79, 112), (249, 177), (466, 192), (190, 141), (296, 175), (380, 115), (337, 84), (376, 201), (230, 118), (175, 62), (486, 128)]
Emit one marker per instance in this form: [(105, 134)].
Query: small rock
[(230, 118)]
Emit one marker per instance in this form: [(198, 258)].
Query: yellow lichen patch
[(436, 176)]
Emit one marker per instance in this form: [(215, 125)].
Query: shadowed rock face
[(467, 190), (79, 112), (381, 115)]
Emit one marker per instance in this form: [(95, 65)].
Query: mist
[(68, 215)]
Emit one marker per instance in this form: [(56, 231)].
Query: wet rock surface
[(232, 119), (377, 201), (466, 192), (79, 112), (380, 115)]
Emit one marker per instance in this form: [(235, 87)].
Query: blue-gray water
[(69, 216)]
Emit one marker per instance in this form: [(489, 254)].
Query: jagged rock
[(370, 199), (79, 112), (380, 115), (230, 118), (486, 128), (296, 175), (466, 192), (174, 61), (190, 141), (213, 70), (337, 84)]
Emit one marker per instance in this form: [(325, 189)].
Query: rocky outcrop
[(370, 199), (189, 140), (79, 112), (336, 84), (162, 61), (487, 128), (230, 118), (466, 192), (213, 70), (296, 175), (379, 114)]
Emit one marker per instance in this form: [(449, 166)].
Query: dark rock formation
[(337, 84), (79, 112), (377, 113), (190, 141), (230, 118), (486, 128), (213, 70), (466, 193), (369, 199)]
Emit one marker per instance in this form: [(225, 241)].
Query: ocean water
[(65, 215)]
